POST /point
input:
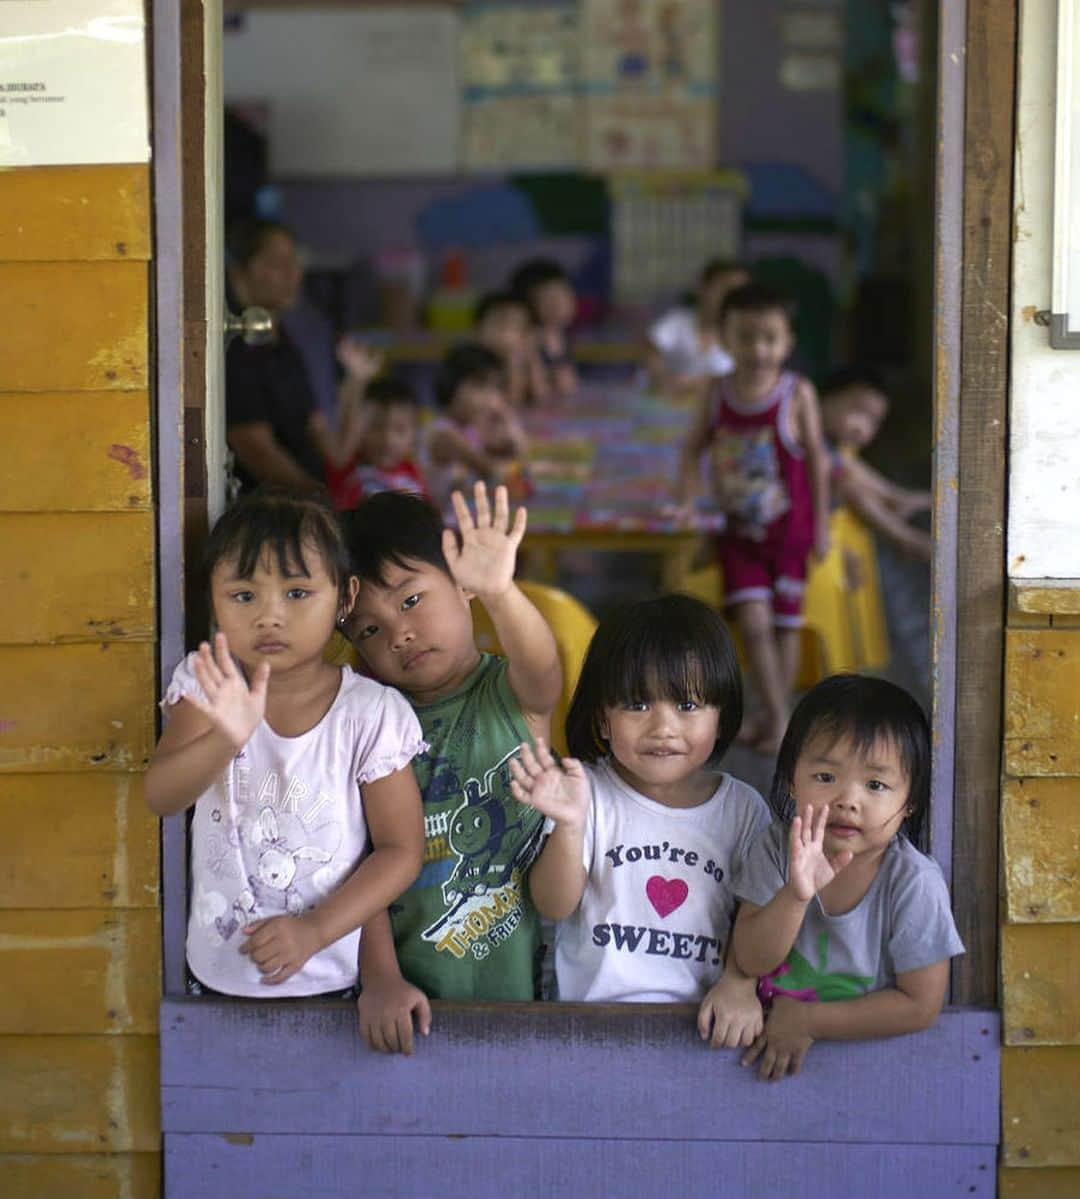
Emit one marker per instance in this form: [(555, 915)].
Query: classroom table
[(428, 347), (601, 476)]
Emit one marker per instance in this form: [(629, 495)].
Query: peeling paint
[(129, 457)]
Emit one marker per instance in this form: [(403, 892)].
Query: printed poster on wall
[(72, 82), (649, 80), (520, 73)]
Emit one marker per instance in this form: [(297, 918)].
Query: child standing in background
[(503, 324), (546, 289), (478, 436), (853, 405), (845, 921), (649, 828), (684, 344), (377, 442), (761, 429), (466, 929), (307, 815)]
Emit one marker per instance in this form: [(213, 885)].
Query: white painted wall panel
[(1044, 442)]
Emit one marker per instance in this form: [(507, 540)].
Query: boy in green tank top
[(466, 929)]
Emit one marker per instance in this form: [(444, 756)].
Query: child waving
[(307, 816), (846, 922), (645, 831)]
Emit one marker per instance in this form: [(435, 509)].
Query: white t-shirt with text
[(654, 922)]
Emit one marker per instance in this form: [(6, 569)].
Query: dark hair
[(721, 266), (392, 527), (866, 710), (492, 301), (469, 362), (535, 273), (757, 297), (282, 521), (860, 375), (248, 237), (389, 390), (675, 648)]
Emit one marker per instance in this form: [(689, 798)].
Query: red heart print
[(666, 894)]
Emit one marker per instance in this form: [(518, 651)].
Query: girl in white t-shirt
[(685, 344), (644, 837), (307, 815)]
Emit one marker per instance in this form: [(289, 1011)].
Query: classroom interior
[(630, 141)]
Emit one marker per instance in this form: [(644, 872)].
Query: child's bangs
[(285, 547), (665, 664), (863, 729), (291, 532)]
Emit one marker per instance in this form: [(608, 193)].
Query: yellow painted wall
[(80, 928), (1040, 949)]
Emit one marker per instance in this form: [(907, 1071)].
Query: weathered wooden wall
[(1040, 951), (79, 920)]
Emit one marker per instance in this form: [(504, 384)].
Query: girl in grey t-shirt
[(846, 924)]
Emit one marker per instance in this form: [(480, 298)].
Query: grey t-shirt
[(902, 923)]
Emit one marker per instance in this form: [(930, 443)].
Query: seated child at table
[(547, 290), (760, 428), (643, 824), (685, 344), (478, 435), (377, 441), (853, 405), (466, 929), (503, 323), (844, 921)]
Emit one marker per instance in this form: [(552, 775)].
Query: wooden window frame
[(972, 230)]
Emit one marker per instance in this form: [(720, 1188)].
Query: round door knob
[(254, 325)]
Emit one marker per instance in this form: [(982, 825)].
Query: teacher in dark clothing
[(273, 426)]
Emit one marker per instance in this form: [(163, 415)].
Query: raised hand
[(484, 561), (809, 867), (232, 707), (357, 360), (558, 792)]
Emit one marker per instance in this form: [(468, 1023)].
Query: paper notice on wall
[(649, 78), (72, 82), (520, 85)]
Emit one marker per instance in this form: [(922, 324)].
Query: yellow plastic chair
[(573, 625), (707, 585), (845, 625), (339, 651), (571, 622), (869, 626)]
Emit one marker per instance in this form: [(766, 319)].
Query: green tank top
[(466, 929)]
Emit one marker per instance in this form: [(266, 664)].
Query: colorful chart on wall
[(649, 79), (72, 82), (519, 75)]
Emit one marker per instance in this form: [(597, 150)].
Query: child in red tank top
[(759, 428)]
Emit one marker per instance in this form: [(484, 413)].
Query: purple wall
[(760, 121), (280, 1098)]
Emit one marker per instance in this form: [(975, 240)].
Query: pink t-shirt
[(283, 826)]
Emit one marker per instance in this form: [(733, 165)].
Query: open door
[(573, 1098)]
